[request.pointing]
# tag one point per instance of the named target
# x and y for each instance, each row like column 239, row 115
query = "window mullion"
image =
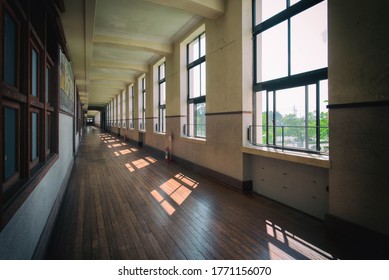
column 318, row 148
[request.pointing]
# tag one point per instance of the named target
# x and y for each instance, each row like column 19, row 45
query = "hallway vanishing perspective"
column 123, row 202
column 275, row 114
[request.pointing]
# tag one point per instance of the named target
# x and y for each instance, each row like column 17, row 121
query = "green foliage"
column 294, row 128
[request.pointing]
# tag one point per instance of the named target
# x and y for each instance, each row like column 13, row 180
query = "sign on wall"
column 66, row 103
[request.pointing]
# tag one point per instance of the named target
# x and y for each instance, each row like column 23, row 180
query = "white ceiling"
column 112, row 42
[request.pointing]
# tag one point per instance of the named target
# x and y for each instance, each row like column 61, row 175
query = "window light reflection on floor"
column 292, row 243
column 166, row 206
column 125, row 151
column 178, row 189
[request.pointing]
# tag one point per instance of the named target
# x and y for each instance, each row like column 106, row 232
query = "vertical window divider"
column 318, row 115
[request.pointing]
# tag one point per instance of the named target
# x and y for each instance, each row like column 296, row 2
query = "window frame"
column 131, row 106
column 9, row 11
column 190, row 129
column 17, row 188
column 8, row 182
column 161, row 125
column 142, row 103
column 313, row 77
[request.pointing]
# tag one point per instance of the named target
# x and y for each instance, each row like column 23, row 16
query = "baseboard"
column 241, row 186
column 41, row 248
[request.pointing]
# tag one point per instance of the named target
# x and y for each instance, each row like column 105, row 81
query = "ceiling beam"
column 123, row 66
column 124, row 43
column 206, row 8
column 112, row 78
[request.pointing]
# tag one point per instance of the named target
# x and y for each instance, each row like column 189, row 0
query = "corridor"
column 124, row 202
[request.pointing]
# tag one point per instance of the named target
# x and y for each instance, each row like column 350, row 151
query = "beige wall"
column 356, row 174
column 359, row 135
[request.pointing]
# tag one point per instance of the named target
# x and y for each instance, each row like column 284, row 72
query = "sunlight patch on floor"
column 292, row 243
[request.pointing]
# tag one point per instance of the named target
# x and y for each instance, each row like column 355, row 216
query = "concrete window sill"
column 297, row 157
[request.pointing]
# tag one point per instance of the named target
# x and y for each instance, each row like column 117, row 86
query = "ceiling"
column 112, row 42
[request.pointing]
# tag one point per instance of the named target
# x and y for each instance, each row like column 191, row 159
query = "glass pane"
column 162, row 94
column 309, row 39
column 202, row 45
column 268, row 8
column 124, row 105
column 34, row 136
column 10, row 142
column 162, row 71
column 200, row 120
column 144, row 100
column 162, row 120
column 272, row 53
column 194, row 82
column 290, row 115
column 48, row 88
column 292, row 2
column 203, row 79
column 10, row 48
column 270, row 100
column 48, row 132
column 143, row 84
column 193, row 50
column 34, row 73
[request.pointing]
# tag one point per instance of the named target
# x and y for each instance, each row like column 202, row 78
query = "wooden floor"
column 123, row 202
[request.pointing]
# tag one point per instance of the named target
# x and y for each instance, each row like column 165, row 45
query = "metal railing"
column 195, row 130
column 312, row 139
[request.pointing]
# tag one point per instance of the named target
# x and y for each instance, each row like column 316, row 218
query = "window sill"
column 297, row 157
column 194, row 140
column 160, row 133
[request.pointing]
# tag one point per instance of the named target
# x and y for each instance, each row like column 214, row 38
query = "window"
column 10, row 57
column 161, row 125
column 196, row 101
column 131, row 105
column 290, row 75
column 115, row 107
column 142, row 100
column 119, row 107
column 48, row 86
column 34, row 72
column 124, row 109
column 48, row 133
column 34, row 138
column 111, row 111
column 11, row 144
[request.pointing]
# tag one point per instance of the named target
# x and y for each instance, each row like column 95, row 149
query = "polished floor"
column 124, row 202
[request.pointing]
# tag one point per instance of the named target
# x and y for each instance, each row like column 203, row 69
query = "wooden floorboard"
column 124, row 202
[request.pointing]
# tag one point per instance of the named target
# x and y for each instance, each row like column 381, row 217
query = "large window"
column 10, row 46
column 196, row 67
column 124, row 124
column 28, row 107
column 142, row 103
column 119, row 109
column 161, row 125
column 131, row 105
column 290, row 75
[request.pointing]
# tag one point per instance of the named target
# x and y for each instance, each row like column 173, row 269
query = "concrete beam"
column 125, row 66
column 124, row 43
column 206, row 8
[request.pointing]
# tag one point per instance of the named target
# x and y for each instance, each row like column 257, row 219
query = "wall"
column 97, row 118
column 300, row 186
column 21, row 235
column 358, row 87
column 220, row 152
